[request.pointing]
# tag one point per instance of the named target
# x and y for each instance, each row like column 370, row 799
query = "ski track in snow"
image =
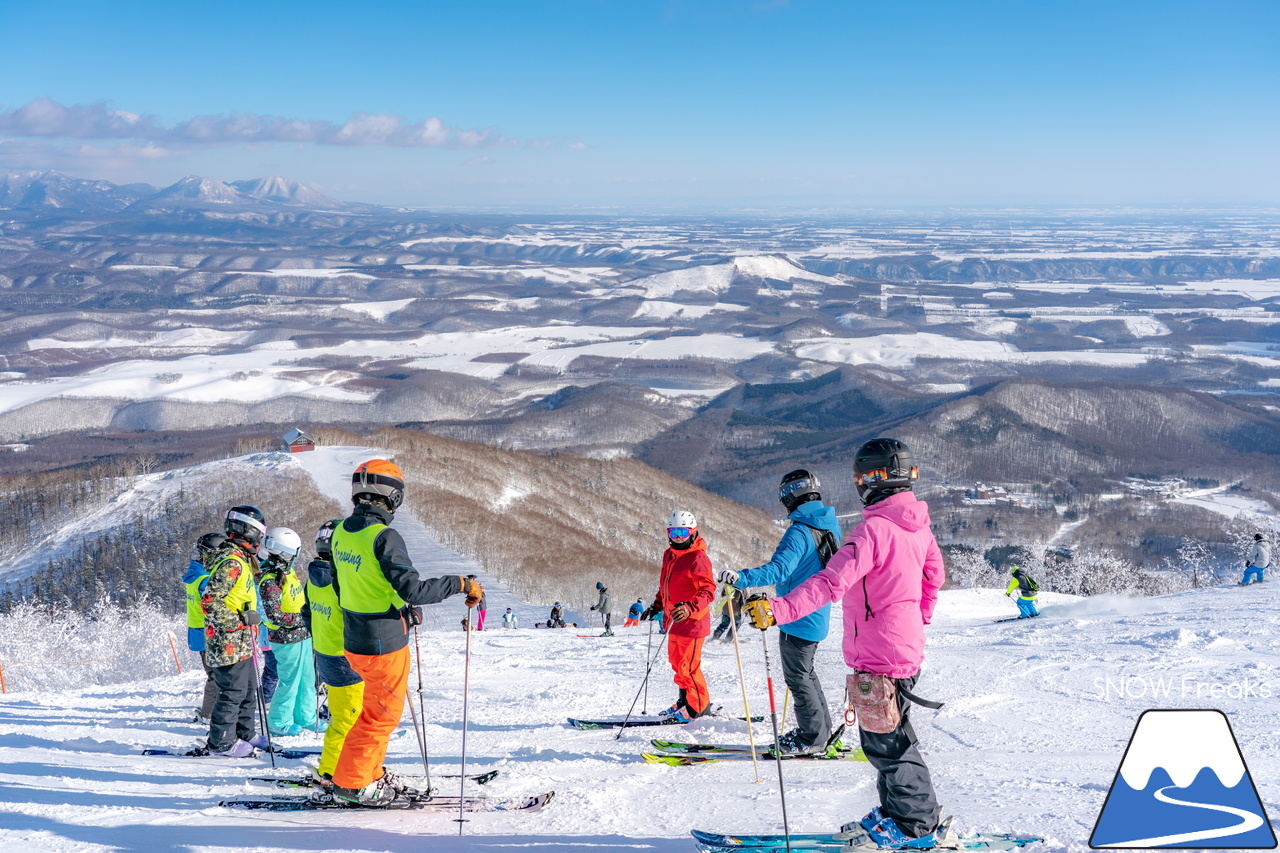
column 1028, row 742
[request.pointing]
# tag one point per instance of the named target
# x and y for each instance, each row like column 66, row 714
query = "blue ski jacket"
column 195, row 572
column 794, row 561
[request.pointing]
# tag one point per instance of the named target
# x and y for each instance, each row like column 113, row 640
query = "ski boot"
column 378, row 794
column 791, row 743
column 239, row 749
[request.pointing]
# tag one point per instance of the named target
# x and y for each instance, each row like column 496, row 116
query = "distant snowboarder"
column 605, row 608
column 1027, row 589
column 1259, row 560
column 556, row 620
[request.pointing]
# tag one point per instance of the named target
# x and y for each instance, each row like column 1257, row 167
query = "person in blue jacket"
column 193, row 580
column 795, row 560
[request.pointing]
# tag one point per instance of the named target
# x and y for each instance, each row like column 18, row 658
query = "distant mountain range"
column 49, row 191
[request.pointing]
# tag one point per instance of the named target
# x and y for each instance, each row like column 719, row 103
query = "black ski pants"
column 812, row 714
column 210, row 689
column 232, row 717
column 902, row 780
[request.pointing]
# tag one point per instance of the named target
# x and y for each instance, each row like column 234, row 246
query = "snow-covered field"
column 1036, row 722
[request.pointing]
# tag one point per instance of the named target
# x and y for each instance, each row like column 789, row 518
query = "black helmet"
column 599, row 585
column 1257, row 537
column 324, row 538
column 883, row 467
column 209, row 543
column 246, row 523
column 798, row 487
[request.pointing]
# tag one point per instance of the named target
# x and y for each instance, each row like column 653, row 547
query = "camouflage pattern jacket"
column 229, row 592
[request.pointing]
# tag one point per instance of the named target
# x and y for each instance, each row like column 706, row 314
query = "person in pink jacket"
column 887, row 573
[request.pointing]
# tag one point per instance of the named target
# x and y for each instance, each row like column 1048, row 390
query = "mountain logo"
column 1183, row 783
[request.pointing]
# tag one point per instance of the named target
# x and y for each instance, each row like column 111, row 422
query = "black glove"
column 251, row 617
column 652, row 611
column 412, row 616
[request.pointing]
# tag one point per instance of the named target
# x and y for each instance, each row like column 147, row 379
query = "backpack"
column 824, row 541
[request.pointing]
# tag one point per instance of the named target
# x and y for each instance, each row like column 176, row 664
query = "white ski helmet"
column 682, row 518
column 282, row 543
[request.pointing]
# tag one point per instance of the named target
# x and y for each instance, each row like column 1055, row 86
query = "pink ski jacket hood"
column 888, row 573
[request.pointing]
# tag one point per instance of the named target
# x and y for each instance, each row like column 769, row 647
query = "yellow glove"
column 472, row 589
column 760, row 613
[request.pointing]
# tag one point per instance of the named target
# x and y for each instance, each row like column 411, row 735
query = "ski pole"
column 648, row 668
column 648, row 652
column 262, row 699
column 786, row 699
column 742, row 680
column 426, row 762
column 777, row 745
column 466, row 687
column 418, row 733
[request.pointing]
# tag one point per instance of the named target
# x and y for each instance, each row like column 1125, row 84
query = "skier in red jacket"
column 686, row 588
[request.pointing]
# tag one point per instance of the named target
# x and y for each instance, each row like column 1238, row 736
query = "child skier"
column 634, row 612
column 229, row 605
column 795, row 560
column 1027, row 589
column 686, row 588
column 509, row 620
column 1258, row 561
column 888, row 574
column 324, row 618
column 293, row 710
column 557, row 616
column 378, row 588
column 194, row 579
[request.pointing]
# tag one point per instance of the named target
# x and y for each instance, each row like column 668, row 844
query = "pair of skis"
column 636, row 722
column 679, row 754
column 412, row 798
column 322, row 801
column 710, row 842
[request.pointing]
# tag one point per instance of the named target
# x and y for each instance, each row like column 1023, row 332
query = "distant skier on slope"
column 634, row 612
column 734, row 602
column 293, row 710
column 481, row 609
column 556, row 620
column 509, row 620
column 378, row 588
column 686, row 588
column 324, row 617
column 795, row 560
column 887, row 573
column 1258, row 561
column 605, row 608
column 194, row 580
column 229, row 603
column 1027, row 589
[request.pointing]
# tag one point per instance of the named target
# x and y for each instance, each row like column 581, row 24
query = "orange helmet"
column 379, row 477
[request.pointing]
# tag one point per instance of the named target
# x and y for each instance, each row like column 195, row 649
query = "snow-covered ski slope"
column 1037, row 718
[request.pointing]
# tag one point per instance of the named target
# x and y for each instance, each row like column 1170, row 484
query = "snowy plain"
column 1036, row 721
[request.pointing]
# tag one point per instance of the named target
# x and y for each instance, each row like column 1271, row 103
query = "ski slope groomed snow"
column 1037, row 717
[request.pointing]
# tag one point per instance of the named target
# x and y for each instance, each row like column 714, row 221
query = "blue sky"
column 703, row 103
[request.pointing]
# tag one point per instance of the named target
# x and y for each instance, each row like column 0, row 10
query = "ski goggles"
column 880, row 475
column 679, row 532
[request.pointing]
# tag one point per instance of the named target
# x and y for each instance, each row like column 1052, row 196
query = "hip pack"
column 872, row 702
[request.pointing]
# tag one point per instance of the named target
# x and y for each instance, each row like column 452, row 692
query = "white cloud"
column 46, row 118
column 482, row 160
